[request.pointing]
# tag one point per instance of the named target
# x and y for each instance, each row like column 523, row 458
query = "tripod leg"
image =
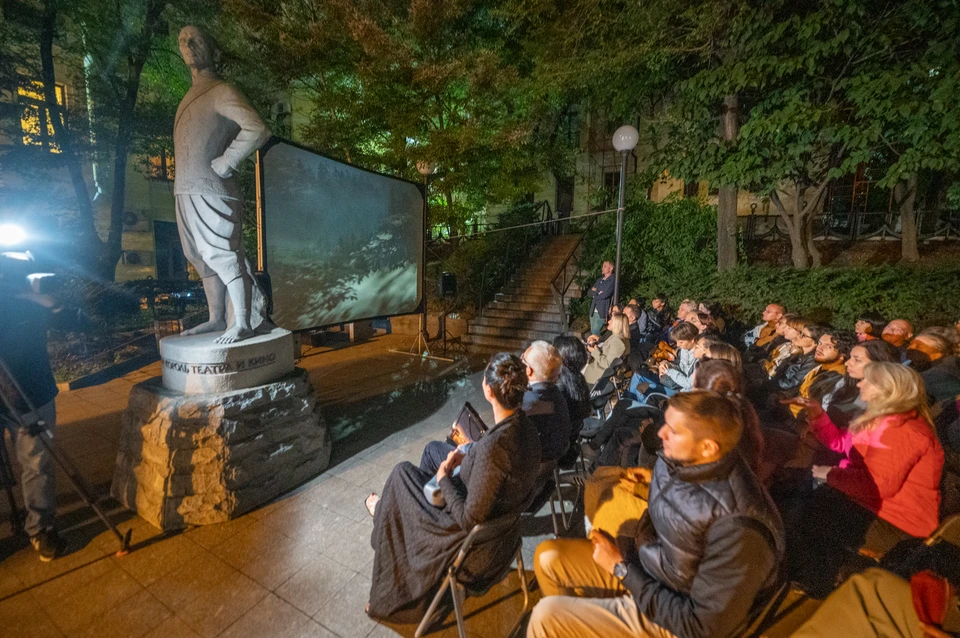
column 9, row 482
column 84, row 492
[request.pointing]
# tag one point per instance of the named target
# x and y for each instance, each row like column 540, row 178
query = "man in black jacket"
column 601, row 292
column 707, row 552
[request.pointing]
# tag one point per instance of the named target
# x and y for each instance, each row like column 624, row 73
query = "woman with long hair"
column 843, row 402
column 887, row 487
column 573, row 386
column 414, row 541
column 615, row 346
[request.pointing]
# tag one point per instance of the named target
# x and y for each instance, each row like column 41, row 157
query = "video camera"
column 19, row 273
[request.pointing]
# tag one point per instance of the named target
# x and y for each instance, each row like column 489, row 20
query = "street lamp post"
column 625, row 140
column 426, row 169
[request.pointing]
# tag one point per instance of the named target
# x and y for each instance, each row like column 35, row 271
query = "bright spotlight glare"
column 11, row 235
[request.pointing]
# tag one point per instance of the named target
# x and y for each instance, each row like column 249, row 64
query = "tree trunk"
column 815, row 206
column 798, row 247
column 906, row 198
column 126, row 123
column 63, row 136
column 727, row 202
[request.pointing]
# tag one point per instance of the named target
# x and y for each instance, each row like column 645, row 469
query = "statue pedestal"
column 199, row 365
column 229, row 429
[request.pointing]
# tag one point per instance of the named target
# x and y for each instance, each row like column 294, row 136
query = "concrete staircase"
column 526, row 309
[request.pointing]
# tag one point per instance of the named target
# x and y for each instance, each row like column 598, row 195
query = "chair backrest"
column 949, row 532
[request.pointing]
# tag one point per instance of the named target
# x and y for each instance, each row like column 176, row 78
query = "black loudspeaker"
column 448, row 284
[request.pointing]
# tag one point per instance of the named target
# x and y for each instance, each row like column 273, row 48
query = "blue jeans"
column 643, row 376
column 37, row 471
column 596, row 323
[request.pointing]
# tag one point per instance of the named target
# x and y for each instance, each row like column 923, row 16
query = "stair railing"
column 561, row 282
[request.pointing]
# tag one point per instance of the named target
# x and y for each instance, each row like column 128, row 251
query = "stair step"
column 501, row 344
column 516, row 332
column 523, row 324
column 505, row 297
column 520, row 306
column 547, row 315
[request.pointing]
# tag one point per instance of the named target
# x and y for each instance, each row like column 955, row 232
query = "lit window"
column 35, row 122
column 160, row 166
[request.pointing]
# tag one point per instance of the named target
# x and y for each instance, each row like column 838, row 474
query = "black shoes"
column 47, row 544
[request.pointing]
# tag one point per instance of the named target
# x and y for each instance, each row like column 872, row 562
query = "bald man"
column 897, row 332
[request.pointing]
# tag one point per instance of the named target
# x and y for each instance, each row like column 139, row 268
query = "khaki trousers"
column 874, row 603
column 580, row 599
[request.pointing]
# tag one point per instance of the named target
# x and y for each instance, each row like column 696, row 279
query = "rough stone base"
column 201, row 459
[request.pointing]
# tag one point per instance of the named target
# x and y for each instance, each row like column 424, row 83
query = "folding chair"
column 948, row 532
column 500, row 528
column 765, row 616
column 548, row 488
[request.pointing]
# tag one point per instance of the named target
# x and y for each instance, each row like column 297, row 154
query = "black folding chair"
column 502, row 528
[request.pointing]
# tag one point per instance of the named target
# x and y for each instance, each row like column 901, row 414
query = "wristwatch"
column 620, row 571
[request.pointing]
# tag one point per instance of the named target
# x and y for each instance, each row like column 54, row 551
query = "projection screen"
column 342, row 243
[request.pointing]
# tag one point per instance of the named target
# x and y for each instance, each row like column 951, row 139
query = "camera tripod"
column 37, row 428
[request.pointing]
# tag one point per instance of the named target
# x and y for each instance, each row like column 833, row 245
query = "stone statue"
column 215, row 130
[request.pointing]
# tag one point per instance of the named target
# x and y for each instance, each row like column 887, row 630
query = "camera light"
column 11, row 235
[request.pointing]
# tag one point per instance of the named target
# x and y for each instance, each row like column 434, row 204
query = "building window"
column 160, row 166
column 35, row 121
column 691, row 189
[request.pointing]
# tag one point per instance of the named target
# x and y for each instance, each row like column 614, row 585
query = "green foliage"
column 671, row 243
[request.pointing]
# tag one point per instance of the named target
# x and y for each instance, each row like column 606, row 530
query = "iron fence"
column 934, row 225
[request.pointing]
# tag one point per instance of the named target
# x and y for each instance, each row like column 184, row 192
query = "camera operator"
column 24, row 318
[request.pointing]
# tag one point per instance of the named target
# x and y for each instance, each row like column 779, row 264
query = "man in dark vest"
column 706, row 555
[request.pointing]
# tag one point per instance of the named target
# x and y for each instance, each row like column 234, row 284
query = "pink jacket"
column 893, row 470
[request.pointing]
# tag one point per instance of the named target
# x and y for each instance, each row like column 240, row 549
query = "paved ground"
column 297, row 567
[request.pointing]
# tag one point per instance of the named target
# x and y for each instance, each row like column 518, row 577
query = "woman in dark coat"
column 415, row 541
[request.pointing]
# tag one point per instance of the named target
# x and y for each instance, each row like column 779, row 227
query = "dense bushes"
column 671, row 247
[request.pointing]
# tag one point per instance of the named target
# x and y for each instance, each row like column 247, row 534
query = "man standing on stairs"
column 602, row 293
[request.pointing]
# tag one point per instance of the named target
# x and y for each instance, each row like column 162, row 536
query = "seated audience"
column 713, row 310
column 544, row 405
column 766, row 332
column 947, row 333
column 726, row 378
column 869, row 326
column 571, row 383
column 880, row 603
column 932, row 356
column 616, row 346
column 897, row 333
column 662, row 316
column 725, row 352
column 706, row 553
column 414, row 542
column 637, row 318
column 788, row 327
column 843, row 402
column 831, row 354
column 677, row 374
column 794, row 369
column 703, row 344
column 886, row 489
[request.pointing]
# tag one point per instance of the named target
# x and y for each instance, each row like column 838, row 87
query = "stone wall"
column 201, row 459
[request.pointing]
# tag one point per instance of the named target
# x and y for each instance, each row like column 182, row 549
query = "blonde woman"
column 617, row 345
column 891, row 470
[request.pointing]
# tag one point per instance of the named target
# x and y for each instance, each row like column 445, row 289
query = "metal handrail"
column 561, row 292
